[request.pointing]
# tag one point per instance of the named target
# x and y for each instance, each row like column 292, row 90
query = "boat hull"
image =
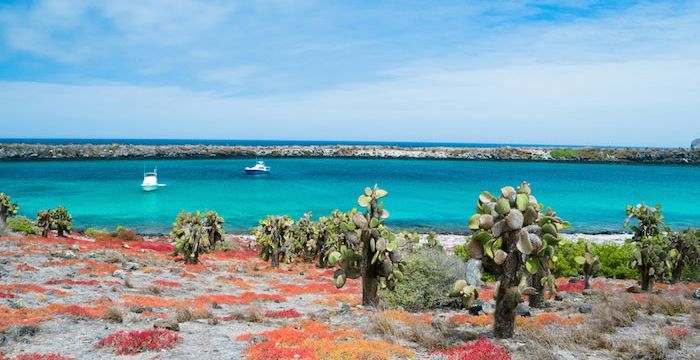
column 256, row 172
column 149, row 187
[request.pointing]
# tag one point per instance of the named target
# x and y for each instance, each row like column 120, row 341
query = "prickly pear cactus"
column 651, row 243
column 62, row 221
column 468, row 293
column 306, row 236
column 190, row 236
column 44, row 221
column 214, row 228
column 367, row 249
column 589, row 262
column 7, row 208
column 511, row 230
column 275, row 239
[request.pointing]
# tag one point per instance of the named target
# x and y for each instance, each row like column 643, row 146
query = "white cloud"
column 650, row 103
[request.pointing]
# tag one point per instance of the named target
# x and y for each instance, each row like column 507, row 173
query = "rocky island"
column 509, row 153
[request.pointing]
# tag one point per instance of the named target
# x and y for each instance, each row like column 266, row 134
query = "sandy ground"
column 234, row 296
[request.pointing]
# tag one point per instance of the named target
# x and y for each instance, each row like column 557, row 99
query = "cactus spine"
column 510, row 231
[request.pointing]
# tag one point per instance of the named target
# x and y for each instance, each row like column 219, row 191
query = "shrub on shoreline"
column 22, row 224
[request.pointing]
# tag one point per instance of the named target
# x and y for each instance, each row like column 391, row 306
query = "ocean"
column 423, row 194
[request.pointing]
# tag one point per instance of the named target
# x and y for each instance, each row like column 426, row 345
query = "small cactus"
column 651, row 256
column 7, row 208
column 62, row 221
column 190, row 236
column 590, row 264
column 214, row 228
column 44, row 221
column 275, row 239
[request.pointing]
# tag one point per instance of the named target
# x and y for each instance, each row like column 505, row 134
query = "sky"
column 546, row 72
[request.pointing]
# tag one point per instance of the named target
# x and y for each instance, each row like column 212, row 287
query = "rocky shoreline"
column 505, row 153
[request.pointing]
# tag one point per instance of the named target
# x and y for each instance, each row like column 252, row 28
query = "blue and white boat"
column 259, row 168
column 150, row 181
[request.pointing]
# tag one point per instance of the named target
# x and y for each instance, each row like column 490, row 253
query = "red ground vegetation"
column 286, row 314
column 481, row 349
column 166, row 283
column 72, row 282
column 236, row 281
column 35, row 356
column 26, row 267
column 576, row 287
column 548, row 318
column 243, row 299
column 94, row 268
column 315, row 340
column 134, row 342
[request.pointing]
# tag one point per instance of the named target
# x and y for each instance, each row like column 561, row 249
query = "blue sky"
column 563, row 72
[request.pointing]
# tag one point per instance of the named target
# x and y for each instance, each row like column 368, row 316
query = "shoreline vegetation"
column 10, row 152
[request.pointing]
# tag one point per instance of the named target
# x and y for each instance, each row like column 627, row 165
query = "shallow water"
column 422, row 193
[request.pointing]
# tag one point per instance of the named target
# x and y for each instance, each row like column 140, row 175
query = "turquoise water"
column 422, row 193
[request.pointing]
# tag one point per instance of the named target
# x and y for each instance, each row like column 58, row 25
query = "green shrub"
column 93, row 231
column 691, row 273
column 428, row 275
column 22, row 224
column 614, row 260
column 562, row 154
column 461, row 252
column 566, row 266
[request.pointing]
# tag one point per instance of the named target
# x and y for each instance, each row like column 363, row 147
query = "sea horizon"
column 296, row 142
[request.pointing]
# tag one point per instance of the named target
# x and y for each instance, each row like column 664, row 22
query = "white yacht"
column 259, row 168
column 150, row 181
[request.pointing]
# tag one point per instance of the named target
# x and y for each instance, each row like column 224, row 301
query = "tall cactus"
column 511, row 231
column 44, row 221
column 306, row 234
column 275, row 238
column 190, row 236
column 7, row 208
column 214, row 228
column 367, row 249
column 62, row 221
column 590, row 264
column 649, row 239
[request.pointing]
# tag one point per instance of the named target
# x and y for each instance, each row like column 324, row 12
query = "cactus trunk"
column 275, row 260
column 677, row 270
column 506, row 300
column 370, row 282
column 647, row 280
column 537, row 301
column 587, row 271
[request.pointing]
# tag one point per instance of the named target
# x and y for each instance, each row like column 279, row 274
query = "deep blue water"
column 436, row 194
